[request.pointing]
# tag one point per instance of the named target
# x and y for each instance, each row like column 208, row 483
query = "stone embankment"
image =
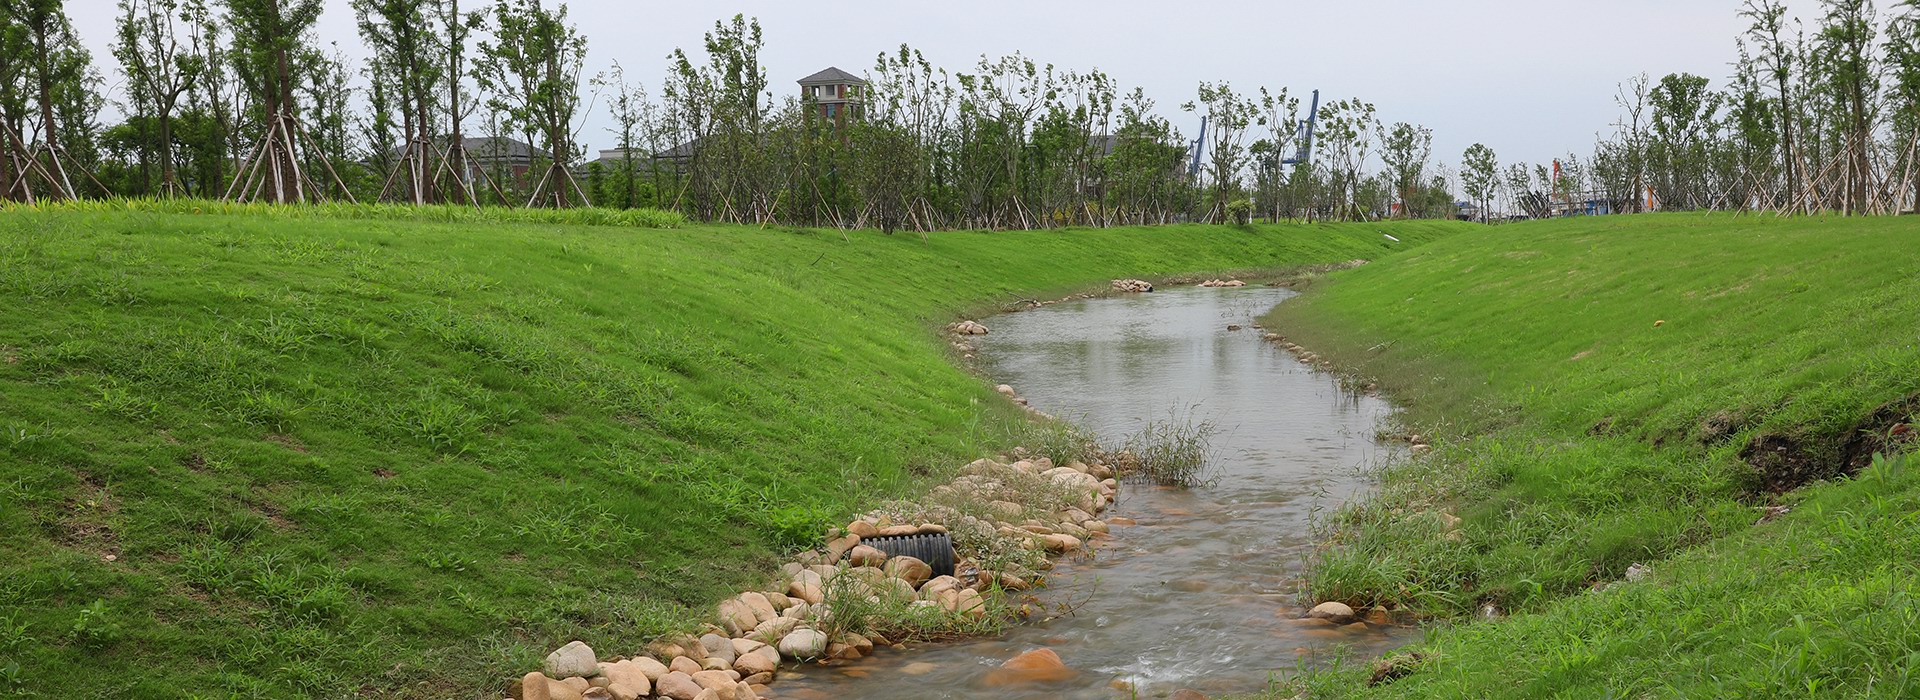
column 1004, row 516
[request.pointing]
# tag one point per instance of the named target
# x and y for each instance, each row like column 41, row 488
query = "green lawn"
column 288, row 455
column 1624, row 390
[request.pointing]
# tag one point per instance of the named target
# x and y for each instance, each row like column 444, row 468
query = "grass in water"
column 1174, row 451
column 297, row 452
column 1723, row 401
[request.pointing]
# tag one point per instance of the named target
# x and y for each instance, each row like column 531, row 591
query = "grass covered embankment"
column 1612, row 391
column 268, row 456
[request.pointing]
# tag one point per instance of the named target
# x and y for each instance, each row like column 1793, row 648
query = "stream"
column 1200, row 592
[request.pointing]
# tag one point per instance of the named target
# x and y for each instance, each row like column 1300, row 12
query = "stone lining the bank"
column 756, row 632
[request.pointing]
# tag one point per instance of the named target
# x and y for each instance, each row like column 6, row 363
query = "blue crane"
column 1305, row 135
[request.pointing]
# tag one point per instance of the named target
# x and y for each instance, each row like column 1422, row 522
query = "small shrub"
column 95, row 627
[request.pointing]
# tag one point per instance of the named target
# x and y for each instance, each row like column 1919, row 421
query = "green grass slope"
column 1625, row 390
column 297, row 456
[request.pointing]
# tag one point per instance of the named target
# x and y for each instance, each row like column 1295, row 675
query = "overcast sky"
column 1531, row 78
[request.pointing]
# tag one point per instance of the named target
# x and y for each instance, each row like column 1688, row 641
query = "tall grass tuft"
column 1170, row 452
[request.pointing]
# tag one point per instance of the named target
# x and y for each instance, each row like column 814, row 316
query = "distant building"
column 500, row 154
column 836, row 94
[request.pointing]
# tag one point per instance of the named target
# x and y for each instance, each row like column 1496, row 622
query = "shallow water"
column 1200, row 593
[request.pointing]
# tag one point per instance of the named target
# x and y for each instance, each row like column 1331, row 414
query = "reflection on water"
column 1198, row 593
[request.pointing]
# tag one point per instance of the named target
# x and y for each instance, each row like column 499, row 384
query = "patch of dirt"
column 195, row 462
column 1782, row 463
column 1604, row 427
column 287, row 441
column 86, row 519
column 1718, row 428
column 1889, row 427
column 383, row 473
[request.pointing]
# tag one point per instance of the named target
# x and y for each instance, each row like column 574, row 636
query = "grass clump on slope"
column 260, row 455
column 1640, row 390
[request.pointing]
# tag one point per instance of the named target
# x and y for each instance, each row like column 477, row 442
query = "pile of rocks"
column 1133, row 286
column 1031, row 505
column 967, row 328
column 1223, row 283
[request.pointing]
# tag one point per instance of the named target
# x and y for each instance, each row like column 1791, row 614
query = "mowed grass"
column 283, row 455
column 1623, row 390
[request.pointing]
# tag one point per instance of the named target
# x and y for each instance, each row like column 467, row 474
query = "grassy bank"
column 267, row 455
column 1704, row 396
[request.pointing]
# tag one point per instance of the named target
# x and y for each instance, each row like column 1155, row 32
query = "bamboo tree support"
column 27, row 162
column 276, row 158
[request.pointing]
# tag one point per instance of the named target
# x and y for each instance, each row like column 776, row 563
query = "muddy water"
column 1200, row 593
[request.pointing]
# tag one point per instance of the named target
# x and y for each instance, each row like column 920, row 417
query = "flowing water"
column 1200, row 593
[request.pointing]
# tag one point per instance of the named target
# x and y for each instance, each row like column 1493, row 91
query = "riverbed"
column 1201, row 592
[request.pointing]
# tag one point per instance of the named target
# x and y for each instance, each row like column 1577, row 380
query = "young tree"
column 50, row 65
column 269, row 39
column 1406, row 150
column 1480, row 176
column 159, row 72
column 1229, row 116
column 532, row 68
column 1851, row 79
column 406, row 48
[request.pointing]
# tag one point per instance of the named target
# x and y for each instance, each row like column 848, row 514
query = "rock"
column 968, row 328
column 736, row 617
column 743, row 690
column 629, row 680
column 1058, row 543
column 716, row 664
column 863, row 555
column 918, row 668
column 1394, row 667
column 685, row 665
column 1187, row 694
column 772, row 630
column 1638, row 572
column 534, row 686
column 930, row 529
column 710, row 694
column 909, row 569
column 858, row 642
column 1233, row 326
column 1419, row 449
column 1094, row 526
column 1334, row 611
column 574, row 659
column 839, row 546
column 807, row 586
column 1006, row 390
column 745, row 646
column 761, row 606
column 862, row 529
column 1133, row 286
column 1037, row 666
column 677, row 685
column 719, row 648
column 931, row 589
column 649, row 666
column 720, row 681
column 759, row 679
column 763, row 660
column 803, row 644
column 597, row 694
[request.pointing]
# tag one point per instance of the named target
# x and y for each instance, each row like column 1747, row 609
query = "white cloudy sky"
column 1530, row 78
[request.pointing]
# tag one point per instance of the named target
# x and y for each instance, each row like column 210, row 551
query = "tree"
column 1406, row 150
column 46, row 61
column 1480, row 175
column 1850, row 77
column 1229, row 116
column 159, row 72
column 403, row 38
column 269, row 39
column 532, row 70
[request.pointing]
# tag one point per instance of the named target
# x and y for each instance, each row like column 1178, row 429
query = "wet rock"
column 803, row 644
column 1187, row 694
column 918, row 668
column 574, row 659
column 1037, row 666
column 1060, row 543
column 1334, row 611
column 677, row 685
column 759, row 679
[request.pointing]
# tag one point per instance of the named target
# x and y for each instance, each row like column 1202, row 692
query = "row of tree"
column 1821, row 118
column 237, row 99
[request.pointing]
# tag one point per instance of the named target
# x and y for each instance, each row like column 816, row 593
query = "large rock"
column 677, row 685
column 1332, row 610
column 627, row 680
column 1133, row 286
column 685, row 664
column 863, row 555
column 839, row 546
column 574, row 659
column 1060, row 543
column 909, row 569
column 762, row 660
column 807, row 585
column 968, row 328
column 1038, row 666
column 773, row 630
column 534, row 686
column 719, row 648
column 742, row 647
column 803, row 644
column 761, row 605
column 863, row 529
column 1187, row 694
column 720, row 681
column 736, row 617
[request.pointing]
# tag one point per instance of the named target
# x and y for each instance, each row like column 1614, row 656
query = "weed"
column 1169, row 452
